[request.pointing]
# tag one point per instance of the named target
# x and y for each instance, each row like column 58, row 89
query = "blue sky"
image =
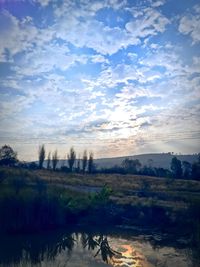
column 115, row 77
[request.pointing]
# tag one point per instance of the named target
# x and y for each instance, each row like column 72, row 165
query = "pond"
column 83, row 248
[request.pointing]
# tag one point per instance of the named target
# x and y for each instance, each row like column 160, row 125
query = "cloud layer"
column 111, row 76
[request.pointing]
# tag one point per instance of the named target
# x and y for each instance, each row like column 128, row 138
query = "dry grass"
column 134, row 189
column 120, row 182
column 126, row 189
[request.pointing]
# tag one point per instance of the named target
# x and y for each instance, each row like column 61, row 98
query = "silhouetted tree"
column 49, row 161
column 131, row 165
column 71, row 157
column 147, row 171
column 55, row 159
column 7, row 156
column 78, row 164
column 196, row 169
column 176, row 167
column 41, row 154
column 161, row 172
column 187, row 169
column 84, row 161
column 114, row 169
column 91, row 163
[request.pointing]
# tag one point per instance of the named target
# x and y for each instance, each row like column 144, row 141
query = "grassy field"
column 57, row 197
column 125, row 189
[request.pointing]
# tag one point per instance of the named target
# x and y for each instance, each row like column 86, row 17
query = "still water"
column 96, row 249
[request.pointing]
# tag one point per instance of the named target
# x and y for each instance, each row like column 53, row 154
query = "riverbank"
column 33, row 201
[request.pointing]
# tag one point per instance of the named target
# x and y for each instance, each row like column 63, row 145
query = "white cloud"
column 95, row 35
column 43, row 3
column 157, row 3
column 99, row 59
column 16, row 36
column 190, row 25
column 132, row 56
column 79, row 27
column 151, row 22
column 58, row 85
column 110, row 77
column 48, row 58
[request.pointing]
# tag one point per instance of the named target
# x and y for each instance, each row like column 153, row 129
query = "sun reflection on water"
column 128, row 257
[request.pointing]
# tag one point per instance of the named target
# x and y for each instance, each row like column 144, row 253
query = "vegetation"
column 91, row 163
column 131, row 166
column 46, row 199
column 8, row 156
column 84, row 161
column 28, row 202
column 196, row 169
column 34, row 198
column 179, row 170
column 54, row 160
column 41, row 156
column 40, row 199
column 71, row 158
column 49, row 161
column 78, row 165
column 176, row 168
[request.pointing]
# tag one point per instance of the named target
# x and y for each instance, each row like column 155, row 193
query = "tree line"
column 82, row 164
column 178, row 169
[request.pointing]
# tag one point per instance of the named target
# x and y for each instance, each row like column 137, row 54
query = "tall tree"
column 55, row 160
column 176, row 168
column 49, row 161
column 71, row 157
column 91, row 162
column 41, row 155
column 84, row 161
column 7, row 156
column 78, row 167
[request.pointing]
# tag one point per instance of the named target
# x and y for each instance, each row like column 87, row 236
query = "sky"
column 115, row 77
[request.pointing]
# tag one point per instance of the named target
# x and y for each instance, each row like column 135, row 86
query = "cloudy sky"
column 116, row 77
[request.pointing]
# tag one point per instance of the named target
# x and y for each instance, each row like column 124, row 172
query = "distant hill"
column 162, row 160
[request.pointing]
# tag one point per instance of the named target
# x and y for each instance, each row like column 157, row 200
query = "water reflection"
column 89, row 249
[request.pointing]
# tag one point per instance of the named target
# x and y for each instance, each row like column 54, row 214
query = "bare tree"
column 84, row 160
column 55, row 159
column 49, row 161
column 71, row 157
column 91, row 163
column 41, row 155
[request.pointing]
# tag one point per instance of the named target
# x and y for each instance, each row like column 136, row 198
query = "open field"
column 125, row 189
